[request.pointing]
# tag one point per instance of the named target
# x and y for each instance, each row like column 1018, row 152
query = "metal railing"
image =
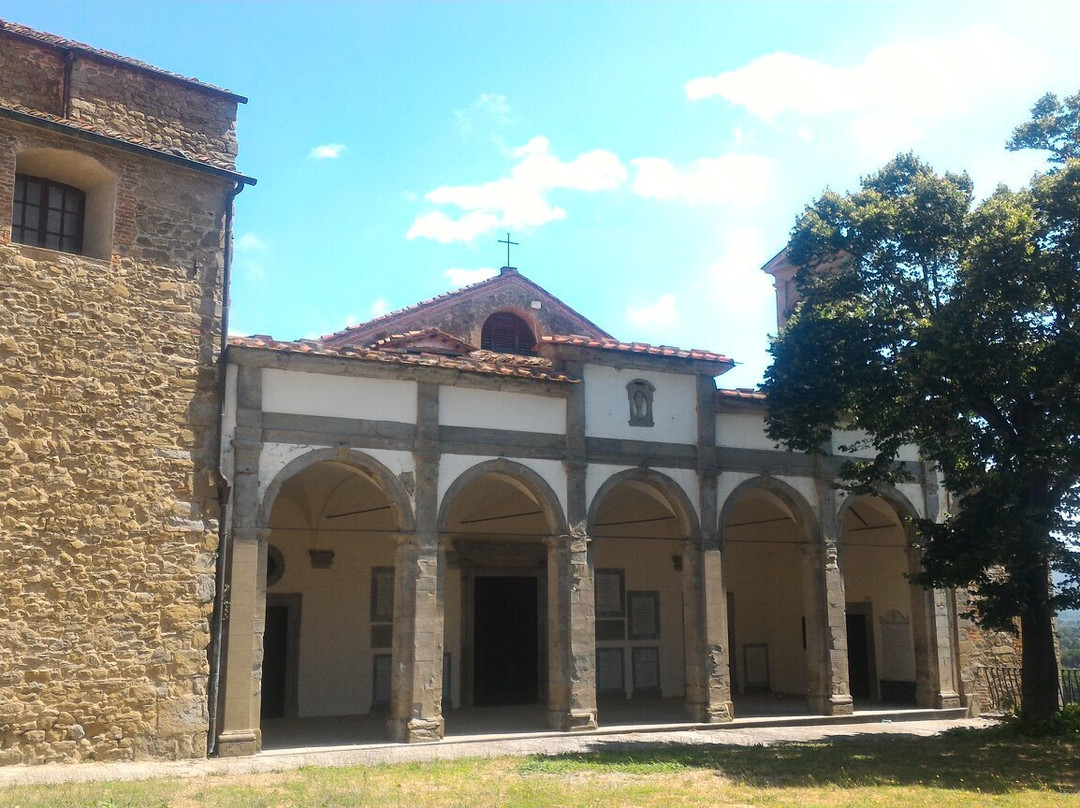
column 1002, row 684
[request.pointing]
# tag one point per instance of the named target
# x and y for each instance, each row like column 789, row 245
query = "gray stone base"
column 948, row 700
column 239, row 743
column 830, row 705
column 416, row 730
column 573, row 721
column 719, row 712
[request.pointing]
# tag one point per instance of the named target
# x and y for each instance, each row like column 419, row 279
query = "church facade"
column 481, row 500
column 485, row 499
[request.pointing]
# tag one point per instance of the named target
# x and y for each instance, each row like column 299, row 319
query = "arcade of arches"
column 502, row 604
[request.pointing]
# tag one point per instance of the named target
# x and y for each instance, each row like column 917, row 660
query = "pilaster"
column 245, row 599
column 417, row 655
column 708, row 684
column 829, row 691
column 571, row 598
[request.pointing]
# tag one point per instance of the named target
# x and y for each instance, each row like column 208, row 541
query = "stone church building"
column 481, row 500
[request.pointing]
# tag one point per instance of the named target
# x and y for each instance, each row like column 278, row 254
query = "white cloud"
column 379, row 307
column 249, row 242
column 328, row 151
column 488, row 109
column 519, row 200
column 466, row 277
column 742, row 178
column 893, row 95
column 662, row 313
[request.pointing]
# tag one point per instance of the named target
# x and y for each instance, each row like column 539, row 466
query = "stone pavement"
column 736, row 733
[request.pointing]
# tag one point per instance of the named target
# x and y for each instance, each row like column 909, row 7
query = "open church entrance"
column 506, row 640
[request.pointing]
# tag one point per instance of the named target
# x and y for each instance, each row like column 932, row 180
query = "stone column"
column 931, row 621
column 829, row 692
column 571, row 634
column 416, row 700
column 705, row 640
column 245, row 594
column 571, row 596
column 935, row 663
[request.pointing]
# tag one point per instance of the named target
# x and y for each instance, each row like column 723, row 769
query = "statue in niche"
column 640, row 395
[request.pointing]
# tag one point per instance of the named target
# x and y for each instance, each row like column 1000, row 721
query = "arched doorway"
column 882, row 628
column 497, row 519
column 641, row 523
column 329, row 591
column 764, row 537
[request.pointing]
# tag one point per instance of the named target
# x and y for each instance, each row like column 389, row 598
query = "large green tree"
column 930, row 318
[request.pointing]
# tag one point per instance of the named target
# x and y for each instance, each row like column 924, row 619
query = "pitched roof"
column 642, row 348
column 402, row 319
column 485, row 363
column 51, row 40
column 740, row 394
column 430, row 339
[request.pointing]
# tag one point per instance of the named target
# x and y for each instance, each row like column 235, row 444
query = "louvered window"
column 48, row 214
column 507, row 333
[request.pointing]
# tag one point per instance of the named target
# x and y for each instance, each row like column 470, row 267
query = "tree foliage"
column 933, row 319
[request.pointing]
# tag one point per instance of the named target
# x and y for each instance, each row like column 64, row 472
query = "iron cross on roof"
column 508, row 242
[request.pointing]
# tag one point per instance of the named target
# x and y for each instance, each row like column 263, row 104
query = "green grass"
column 969, row 768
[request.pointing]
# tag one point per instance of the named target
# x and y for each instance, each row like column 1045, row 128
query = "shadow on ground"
column 970, row 760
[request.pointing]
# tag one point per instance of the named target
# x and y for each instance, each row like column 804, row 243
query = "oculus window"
column 48, row 214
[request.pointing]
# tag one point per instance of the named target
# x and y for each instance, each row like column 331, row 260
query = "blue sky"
column 649, row 157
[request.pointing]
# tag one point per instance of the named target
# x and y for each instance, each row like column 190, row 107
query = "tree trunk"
column 1039, row 677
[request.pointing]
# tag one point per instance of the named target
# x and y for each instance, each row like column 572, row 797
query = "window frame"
column 70, row 236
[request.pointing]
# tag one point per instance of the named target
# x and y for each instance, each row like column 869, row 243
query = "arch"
column 673, row 492
column 507, row 332
column 790, row 500
column 517, row 474
column 388, row 483
column 86, row 174
column 899, row 503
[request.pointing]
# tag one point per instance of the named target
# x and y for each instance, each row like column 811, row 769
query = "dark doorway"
column 858, row 655
column 280, row 656
column 506, row 641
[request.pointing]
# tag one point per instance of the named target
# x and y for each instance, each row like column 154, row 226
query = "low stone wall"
column 980, row 649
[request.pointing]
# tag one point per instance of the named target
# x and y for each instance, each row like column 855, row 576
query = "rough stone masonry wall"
column 980, row 649
column 108, row 519
column 119, row 100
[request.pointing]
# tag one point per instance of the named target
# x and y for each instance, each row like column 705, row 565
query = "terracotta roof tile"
column 636, row 347
column 338, row 337
column 127, row 137
column 482, row 362
column 741, row 394
column 391, row 315
column 70, row 44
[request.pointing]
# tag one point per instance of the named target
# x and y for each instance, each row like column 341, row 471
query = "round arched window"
column 504, row 332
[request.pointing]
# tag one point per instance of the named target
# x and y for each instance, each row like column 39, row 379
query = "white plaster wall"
column 336, row 657
column 493, row 409
column 607, row 410
column 597, row 474
column 647, row 565
column 453, row 466
column 742, row 430
column 843, row 437
column 766, row 581
column 338, row 396
column 875, row 574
